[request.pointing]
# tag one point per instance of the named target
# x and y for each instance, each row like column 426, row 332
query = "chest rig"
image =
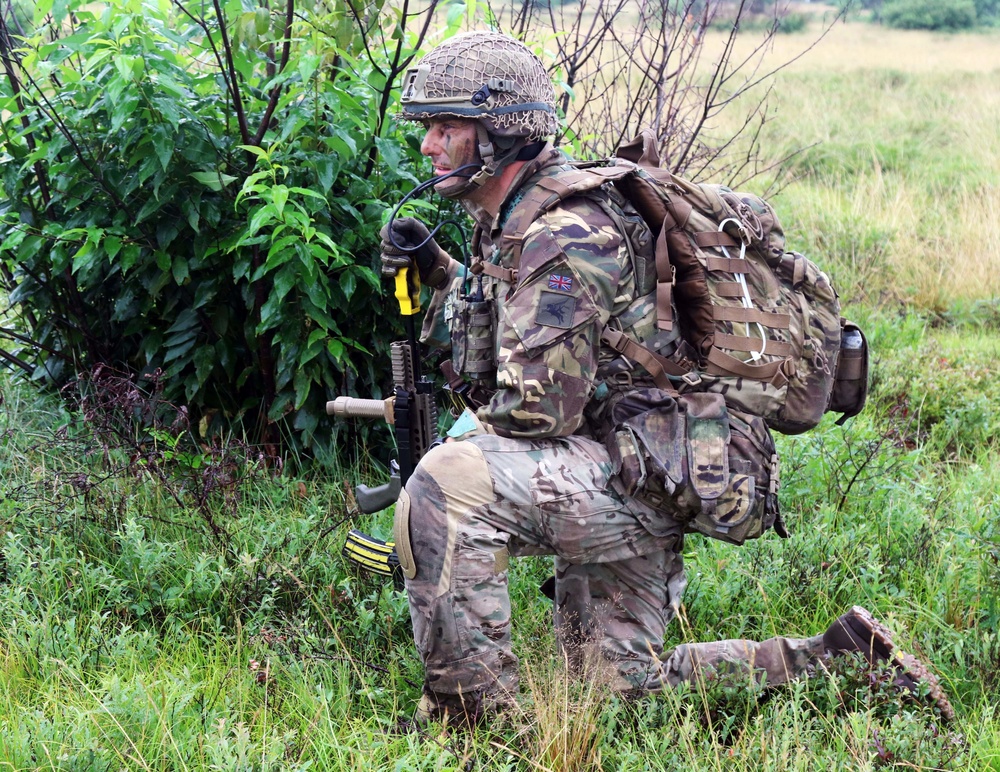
column 494, row 273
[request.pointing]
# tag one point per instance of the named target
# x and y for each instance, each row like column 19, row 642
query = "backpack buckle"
column 741, row 230
column 692, row 378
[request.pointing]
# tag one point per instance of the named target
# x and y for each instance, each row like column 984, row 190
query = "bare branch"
column 233, row 80
column 286, row 49
column 630, row 64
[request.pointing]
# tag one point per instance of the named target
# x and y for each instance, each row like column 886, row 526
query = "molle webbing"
column 752, row 316
column 715, row 239
column 659, row 367
column 728, row 264
column 743, row 343
column 683, row 285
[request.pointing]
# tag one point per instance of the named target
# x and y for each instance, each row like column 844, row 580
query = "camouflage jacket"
column 577, row 273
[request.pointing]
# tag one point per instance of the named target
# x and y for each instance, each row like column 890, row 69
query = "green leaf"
column 257, row 151
column 308, row 64
column 112, row 246
column 315, row 337
column 179, row 351
column 284, row 281
column 265, row 215
column 204, row 363
column 279, row 196
column 84, row 258
column 335, row 347
column 130, row 257
column 163, row 144
column 262, row 22
column 303, row 383
column 180, row 270
column 309, row 193
column 327, row 169
column 186, row 320
column 348, row 283
column 215, row 181
column 42, row 9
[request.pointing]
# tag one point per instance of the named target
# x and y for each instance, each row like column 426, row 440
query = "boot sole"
column 911, row 672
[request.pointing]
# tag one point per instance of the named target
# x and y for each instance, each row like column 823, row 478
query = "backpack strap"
column 508, row 275
column 657, row 366
column 777, row 373
column 546, row 193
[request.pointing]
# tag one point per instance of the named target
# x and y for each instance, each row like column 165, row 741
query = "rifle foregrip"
column 352, row 407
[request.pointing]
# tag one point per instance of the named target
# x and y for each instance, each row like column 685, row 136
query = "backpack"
column 762, row 324
column 755, row 340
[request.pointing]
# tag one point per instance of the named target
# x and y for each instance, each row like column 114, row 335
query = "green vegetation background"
column 163, row 608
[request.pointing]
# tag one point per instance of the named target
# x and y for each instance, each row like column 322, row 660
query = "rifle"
column 412, row 412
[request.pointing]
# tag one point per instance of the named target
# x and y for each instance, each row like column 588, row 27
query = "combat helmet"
column 492, row 79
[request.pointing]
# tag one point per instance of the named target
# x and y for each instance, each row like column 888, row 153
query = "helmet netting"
column 461, row 66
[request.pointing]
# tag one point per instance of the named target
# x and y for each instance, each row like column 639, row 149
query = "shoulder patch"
column 555, row 310
column 560, row 283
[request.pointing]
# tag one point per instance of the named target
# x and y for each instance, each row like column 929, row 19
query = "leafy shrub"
column 201, row 197
column 946, row 15
column 793, row 22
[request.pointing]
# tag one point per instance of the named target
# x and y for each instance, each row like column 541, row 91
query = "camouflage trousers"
column 619, row 571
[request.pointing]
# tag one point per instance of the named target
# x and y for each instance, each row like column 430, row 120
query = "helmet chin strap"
column 494, row 157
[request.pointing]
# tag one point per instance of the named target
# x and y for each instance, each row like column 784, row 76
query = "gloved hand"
column 430, row 259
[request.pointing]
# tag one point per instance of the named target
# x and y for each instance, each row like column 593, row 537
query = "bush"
column 200, row 196
column 793, row 22
column 948, row 15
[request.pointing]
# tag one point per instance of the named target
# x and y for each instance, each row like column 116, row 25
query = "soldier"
column 524, row 474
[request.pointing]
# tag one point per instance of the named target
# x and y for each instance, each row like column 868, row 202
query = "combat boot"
column 859, row 631
column 463, row 711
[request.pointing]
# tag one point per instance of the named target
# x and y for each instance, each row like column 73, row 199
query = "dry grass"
column 899, row 181
column 852, row 46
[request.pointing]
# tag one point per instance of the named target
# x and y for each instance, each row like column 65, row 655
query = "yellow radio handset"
column 407, row 295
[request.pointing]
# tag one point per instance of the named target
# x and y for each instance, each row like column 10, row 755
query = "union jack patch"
column 560, row 283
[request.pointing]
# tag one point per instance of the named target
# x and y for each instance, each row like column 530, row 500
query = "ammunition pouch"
column 691, row 458
column 473, row 340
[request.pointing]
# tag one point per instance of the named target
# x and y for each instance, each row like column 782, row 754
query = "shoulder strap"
column 663, row 370
column 546, row 193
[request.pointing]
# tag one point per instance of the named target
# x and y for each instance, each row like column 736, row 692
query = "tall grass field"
column 167, row 609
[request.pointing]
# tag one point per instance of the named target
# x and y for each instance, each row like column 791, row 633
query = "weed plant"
column 167, row 605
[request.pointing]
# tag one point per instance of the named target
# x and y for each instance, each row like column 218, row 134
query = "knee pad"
column 401, row 534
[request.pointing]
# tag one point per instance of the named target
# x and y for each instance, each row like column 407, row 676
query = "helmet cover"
column 484, row 76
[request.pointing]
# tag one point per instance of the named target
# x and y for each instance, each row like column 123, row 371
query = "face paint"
column 450, row 143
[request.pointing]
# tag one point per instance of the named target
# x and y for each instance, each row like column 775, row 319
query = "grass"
column 134, row 636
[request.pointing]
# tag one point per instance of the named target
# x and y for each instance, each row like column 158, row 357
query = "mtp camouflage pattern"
column 472, row 504
column 485, row 76
column 714, row 467
column 771, row 336
column 528, row 475
column 576, row 274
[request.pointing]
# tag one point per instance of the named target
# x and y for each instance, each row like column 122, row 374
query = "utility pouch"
column 473, row 340
column 850, row 382
column 692, row 459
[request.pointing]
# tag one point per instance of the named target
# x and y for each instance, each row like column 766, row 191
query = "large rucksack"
column 764, row 345
column 763, row 323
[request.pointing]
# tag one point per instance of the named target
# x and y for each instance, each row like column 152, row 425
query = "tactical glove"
column 411, row 243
